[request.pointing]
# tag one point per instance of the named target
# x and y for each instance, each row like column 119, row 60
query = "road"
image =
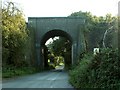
column 48, row 79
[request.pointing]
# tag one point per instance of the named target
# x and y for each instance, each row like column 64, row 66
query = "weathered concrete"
column 43, row 28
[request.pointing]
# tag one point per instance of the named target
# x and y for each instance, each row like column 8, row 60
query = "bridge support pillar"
column 74, row 53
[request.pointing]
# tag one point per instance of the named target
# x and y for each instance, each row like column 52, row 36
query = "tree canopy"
column 103, row 28
column 14, row 34
column 59, row 46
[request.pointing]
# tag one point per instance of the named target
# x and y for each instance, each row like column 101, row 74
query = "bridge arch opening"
column 66, row 54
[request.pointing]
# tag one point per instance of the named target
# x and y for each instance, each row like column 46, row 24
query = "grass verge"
column 10, row 72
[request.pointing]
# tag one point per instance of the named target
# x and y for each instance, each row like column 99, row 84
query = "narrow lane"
column 49, row 79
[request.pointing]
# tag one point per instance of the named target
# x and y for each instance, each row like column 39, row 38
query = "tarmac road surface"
column 49, row 79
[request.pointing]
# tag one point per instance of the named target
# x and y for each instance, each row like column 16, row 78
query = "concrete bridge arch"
column 43, row 28
column 51, row 34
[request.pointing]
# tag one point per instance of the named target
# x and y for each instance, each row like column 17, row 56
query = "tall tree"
column 98, row 31
column 14, row 34
column 61, row 47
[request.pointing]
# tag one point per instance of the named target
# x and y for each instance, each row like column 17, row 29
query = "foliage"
column 11, row 71
column 60, row 48
column 55, row 61
column 106, row 66
column 103, row 28
column 99, row 71
column 79, row 74
column 14, row 35
column 63, row 44
column 52, row 66
column 16, row 43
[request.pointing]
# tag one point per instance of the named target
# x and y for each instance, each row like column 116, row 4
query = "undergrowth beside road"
column 97, row 71
column 9, row 72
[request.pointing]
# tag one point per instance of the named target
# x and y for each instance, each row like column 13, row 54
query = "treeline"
column 100, row 70
column 100, row 31
column 16, row 42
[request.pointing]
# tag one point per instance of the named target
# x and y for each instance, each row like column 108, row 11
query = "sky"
column 63, row 8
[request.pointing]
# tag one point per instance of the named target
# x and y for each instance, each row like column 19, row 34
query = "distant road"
column 49, row 79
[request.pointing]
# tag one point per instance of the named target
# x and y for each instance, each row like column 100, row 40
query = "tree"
column 98, row 31
column 14, row 34
column 61, row 47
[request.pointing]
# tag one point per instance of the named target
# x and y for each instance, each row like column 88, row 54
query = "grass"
column 10, row 72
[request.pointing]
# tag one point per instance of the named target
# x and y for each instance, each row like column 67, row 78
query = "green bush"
column 51, row 66
column 10, row 71
column 17, row 44
column 99, row 71
column 79, row 74
column 106, row 66
column 5, row 55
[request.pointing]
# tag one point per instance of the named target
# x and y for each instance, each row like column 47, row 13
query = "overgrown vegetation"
column 59, row 50
column 97, row 71
column 15, row 40
column 10, row 71
column 92, row 71
column 99, row 31
column 101, row 70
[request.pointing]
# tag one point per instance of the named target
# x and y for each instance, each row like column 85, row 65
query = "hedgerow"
column 97, row 71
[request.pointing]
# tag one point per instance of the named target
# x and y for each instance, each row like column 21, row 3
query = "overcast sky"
column 63, row 8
